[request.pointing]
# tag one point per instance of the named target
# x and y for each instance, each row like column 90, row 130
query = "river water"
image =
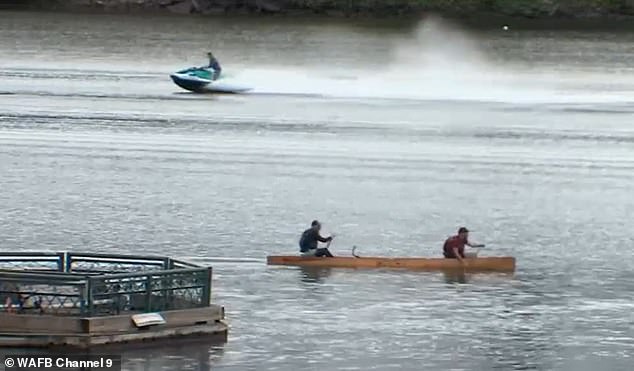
column 392, row 135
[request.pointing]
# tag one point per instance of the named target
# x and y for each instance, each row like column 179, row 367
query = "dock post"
column 61, row 262
column 148, row 293
column 206, row 299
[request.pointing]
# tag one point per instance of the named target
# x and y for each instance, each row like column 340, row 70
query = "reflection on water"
column 314, row 274
column 452, row 277
column 194, row 355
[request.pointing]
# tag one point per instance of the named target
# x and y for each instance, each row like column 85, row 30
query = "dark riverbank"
column 530, row 9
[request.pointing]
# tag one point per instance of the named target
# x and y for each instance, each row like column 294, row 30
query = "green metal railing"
column 88, row 285
column 45, row 261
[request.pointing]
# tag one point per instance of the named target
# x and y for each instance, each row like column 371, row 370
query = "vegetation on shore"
column 519, row 8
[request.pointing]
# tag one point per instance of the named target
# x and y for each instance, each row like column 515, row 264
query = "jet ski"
column 200, row 80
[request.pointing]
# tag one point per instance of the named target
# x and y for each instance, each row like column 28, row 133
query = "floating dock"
column 84, row 300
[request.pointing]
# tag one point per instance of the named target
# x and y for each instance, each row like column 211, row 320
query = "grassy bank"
column 515, row 8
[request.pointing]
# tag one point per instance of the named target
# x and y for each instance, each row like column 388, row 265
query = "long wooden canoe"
column 481, row 264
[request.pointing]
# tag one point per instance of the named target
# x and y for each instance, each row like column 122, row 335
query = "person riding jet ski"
column 215, row 65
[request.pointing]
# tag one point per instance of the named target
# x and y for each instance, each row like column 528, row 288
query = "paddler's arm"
column 456, row 253
column 324, row 239
column 474, row 245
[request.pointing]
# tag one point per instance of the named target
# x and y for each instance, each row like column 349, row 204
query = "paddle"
column 328, row 244
column 473, row 255
column 477, row 249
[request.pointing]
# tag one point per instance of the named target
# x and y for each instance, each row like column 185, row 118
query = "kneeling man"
column 308, row 243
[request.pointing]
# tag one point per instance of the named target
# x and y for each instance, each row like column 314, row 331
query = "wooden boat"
column 479, row 264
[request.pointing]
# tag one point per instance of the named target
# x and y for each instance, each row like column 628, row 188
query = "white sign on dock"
column 148, row 319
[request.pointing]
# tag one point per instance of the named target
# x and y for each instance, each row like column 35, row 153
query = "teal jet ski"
column 200, row 80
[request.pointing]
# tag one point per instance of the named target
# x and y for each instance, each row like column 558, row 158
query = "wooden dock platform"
column 87, row 300
column 53, row 331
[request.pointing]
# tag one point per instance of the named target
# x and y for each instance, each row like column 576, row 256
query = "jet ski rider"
column 213, row 64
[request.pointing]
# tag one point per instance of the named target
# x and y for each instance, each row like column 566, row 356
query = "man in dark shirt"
column 215, row 65
column 308, row 243
column 454, row 246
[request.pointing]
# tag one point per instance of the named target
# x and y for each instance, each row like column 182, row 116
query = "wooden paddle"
column 328, row 244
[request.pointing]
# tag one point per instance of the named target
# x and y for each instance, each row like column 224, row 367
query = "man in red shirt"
column 454, row 246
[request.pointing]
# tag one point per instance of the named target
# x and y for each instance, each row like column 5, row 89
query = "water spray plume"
column 438, row 60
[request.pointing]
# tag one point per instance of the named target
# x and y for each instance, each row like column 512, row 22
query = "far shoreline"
column 477, row 20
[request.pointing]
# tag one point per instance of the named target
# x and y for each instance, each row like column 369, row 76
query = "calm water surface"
column 393, row 136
